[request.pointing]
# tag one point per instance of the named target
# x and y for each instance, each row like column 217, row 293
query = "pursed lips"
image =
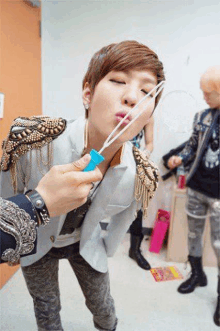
column 121, row 115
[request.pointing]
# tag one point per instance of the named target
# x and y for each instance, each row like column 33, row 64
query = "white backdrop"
column 185, row 34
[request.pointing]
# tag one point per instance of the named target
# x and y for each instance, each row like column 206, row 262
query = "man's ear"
column 86, row 94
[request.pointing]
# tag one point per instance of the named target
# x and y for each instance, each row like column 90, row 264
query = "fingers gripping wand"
column 96, row 157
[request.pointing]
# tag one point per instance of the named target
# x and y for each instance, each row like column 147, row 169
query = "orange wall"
column 20, row 70
column 20, row 61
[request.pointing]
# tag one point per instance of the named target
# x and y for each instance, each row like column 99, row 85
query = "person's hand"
column 66, row 187
column 174, row 161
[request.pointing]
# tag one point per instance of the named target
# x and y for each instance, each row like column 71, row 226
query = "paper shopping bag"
column 159, row 231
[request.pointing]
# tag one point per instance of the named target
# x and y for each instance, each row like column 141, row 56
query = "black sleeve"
column 7, row 240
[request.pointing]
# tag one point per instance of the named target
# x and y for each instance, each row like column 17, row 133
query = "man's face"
column 212, row 98
column 113, row 98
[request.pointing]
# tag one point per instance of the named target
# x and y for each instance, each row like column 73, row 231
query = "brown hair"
column 123, row 56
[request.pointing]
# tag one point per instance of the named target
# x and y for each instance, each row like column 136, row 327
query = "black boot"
column 198, row 277
column 135, row 253
column 217, row 311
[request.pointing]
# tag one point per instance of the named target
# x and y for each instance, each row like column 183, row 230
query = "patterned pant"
column 200, row 205
column 42, row 282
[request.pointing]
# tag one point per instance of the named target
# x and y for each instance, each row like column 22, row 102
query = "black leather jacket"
column 202, row 129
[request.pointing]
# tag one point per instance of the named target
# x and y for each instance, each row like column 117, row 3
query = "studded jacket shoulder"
column 147, row 177
column 27, row 133
column 202, row 121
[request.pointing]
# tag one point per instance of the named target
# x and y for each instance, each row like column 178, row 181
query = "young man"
column 136, row 226
column 62, row 189
column 203, row 182
column 119, row 75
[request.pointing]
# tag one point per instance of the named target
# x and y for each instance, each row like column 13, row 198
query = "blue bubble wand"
column 96, row 157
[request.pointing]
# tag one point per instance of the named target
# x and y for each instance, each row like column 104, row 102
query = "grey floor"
column 142, row 304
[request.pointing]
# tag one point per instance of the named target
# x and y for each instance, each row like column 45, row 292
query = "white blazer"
column 114, row 199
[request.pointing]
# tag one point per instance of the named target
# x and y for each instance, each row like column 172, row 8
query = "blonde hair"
column 210, row 80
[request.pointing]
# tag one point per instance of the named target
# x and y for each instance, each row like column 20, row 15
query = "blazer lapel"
column 72, row 150
column 77, row 137
column 113, row 183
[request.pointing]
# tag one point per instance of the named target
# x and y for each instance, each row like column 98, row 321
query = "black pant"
column 136, row 226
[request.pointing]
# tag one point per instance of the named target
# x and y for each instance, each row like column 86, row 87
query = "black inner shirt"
column 207, row 176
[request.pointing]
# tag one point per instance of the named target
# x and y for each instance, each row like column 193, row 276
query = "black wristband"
column 39, row 205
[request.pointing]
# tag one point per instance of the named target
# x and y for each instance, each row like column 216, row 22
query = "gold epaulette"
column 146, row 181
column 26, row 134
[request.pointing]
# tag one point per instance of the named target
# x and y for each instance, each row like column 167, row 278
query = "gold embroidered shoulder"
column 146, row 181
column 27, row 133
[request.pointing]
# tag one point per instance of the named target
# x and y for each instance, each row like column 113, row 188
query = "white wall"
column 185, row 34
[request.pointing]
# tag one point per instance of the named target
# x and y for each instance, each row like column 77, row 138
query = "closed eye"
column 117, row 81
column 146, row 92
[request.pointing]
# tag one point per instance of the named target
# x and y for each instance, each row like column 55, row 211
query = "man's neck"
column 95, row 140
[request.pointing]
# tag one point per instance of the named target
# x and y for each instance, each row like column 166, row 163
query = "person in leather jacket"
column 203, row 182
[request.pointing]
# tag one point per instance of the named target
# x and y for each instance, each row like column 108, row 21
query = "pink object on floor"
column 159, row 231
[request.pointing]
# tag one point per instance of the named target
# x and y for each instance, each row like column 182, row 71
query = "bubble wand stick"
column 96, row 157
